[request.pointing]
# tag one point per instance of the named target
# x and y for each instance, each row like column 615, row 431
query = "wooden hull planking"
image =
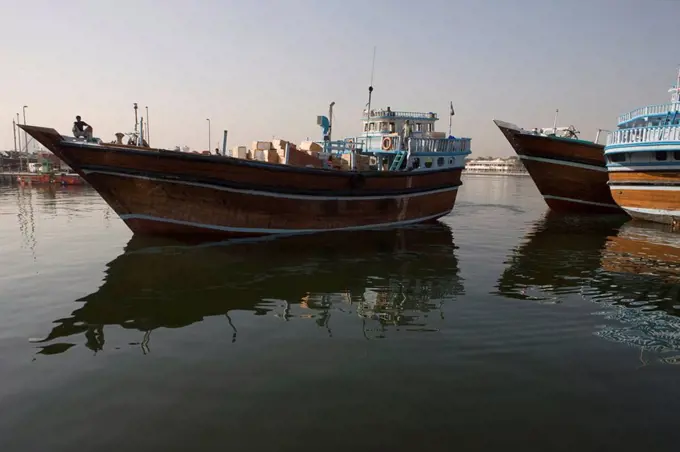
column 647, row 195
column 170, row 193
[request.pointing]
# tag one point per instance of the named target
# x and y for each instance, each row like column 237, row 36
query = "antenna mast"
column 370, row 87
column 675, row 97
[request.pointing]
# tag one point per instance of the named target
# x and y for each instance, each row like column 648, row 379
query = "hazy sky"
column 263, row 67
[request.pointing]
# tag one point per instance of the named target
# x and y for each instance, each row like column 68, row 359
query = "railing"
column 439, row 145
column 415, row 145
column 399, row 114
column 650, row 110
column 644, row 135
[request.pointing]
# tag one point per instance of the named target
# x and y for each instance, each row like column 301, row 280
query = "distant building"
column 510, row 166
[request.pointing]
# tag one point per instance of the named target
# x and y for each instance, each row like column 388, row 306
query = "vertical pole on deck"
column 140, row 137
column 557, row 111
column 451, row 113
column 597, row 137
column 14, row 130
column 148, row 129
column 21, row 162
column 286, row 156
column 330, row 120
column 136, row 118
column 224, row 144
column 209, row 135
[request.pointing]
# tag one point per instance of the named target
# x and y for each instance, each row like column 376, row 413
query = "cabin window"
column 440, row 161
column 450, row 161
column 419, row 127
column 392, row 127
column 618, row 157
column 676, row 155
column 430, row 127
column 661, row 155
column 366, row 127
column 383, row 127
column 416, row 163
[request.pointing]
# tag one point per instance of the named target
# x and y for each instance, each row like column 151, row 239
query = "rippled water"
column 502, row 326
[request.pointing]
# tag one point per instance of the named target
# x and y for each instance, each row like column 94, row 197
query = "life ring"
column 350, row 144
column 387, row 143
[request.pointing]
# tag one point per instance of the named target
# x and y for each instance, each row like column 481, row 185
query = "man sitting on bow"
column 81, row 129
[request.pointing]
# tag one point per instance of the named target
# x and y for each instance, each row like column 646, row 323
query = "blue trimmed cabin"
column 398, row 141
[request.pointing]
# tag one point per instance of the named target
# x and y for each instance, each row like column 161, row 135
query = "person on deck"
column 81, row 129
column 406, row 134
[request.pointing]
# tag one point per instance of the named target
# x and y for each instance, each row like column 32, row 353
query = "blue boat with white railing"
column 643, row 161
column 383, row 145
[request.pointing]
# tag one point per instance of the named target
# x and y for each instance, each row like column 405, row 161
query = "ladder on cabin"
column 667, row 121
column 398, row 160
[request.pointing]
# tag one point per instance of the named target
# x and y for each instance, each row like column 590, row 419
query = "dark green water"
column 500, row 328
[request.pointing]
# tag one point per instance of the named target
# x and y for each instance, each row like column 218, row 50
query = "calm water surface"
column 501, row 327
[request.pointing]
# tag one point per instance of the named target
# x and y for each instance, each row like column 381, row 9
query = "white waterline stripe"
column 580, row 201
column 563, row 162
column 671, row 213
column 276, row 195
column 645, row 187
column 278, row 231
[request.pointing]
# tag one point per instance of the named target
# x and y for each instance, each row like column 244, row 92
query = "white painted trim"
column 659, row 212
column 580, row 201
column 273, row 194
column 642, row 169
column 279, row 231
column 645, row 187
column 618, row 148
column 565, row 163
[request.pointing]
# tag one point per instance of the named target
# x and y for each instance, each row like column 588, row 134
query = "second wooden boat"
column 569, row 172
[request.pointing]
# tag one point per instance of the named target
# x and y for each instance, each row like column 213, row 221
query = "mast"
column 557, row 111
column 370, row 89
column 675, row 96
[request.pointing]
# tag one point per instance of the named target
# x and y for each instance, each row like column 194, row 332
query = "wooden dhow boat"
column 387, row 180
column 569, row 172
column 643, row 159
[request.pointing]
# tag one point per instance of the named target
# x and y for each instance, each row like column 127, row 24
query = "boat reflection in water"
column 557, row 257
column 632, row 270
column 641, row 282
column 389, row 279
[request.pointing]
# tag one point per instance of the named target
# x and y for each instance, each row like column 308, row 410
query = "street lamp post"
column 209, row 134
column 21, row 162
column 25, row 135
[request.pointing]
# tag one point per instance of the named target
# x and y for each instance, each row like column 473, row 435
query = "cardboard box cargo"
column 310, row 146
column 362, row 161
column 261, row 145
column 273, row 156
column 239, row 152
column 299, row 158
